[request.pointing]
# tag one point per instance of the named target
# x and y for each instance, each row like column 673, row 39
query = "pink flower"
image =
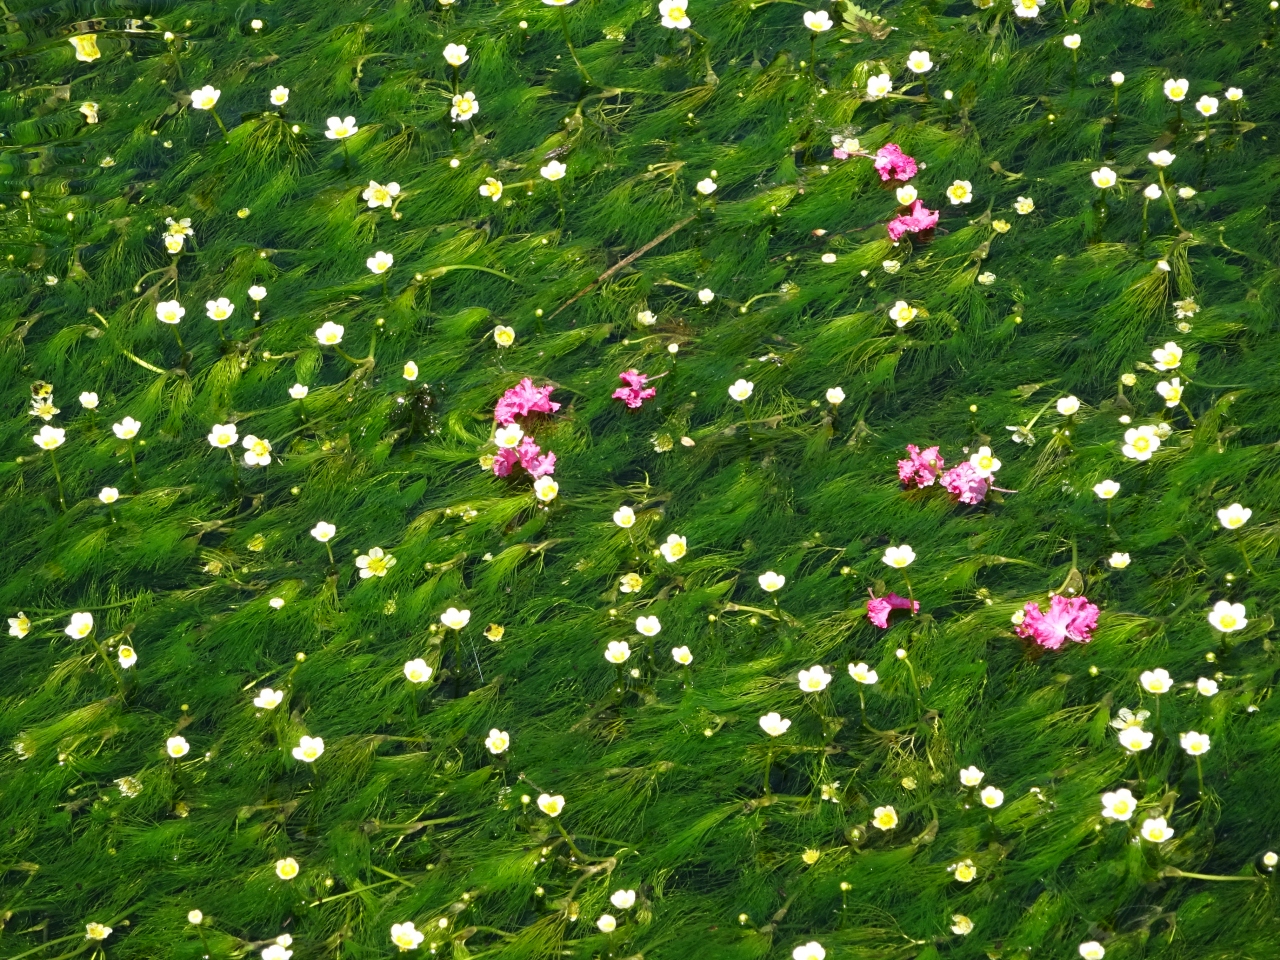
column 532, row 459
column 920, row 218
column 635, row 393
column 503, row 461
column 1072, row 619
column 920, row 468
column 964, row 482
column 521, row 400
column 892, row 163
column 878, row 608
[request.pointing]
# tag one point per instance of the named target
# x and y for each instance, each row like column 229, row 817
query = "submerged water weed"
column 484, row 586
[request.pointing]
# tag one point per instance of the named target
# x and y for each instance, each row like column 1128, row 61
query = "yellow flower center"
column 1227, row 621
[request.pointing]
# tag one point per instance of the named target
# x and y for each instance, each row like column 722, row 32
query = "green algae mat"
column 619, row 479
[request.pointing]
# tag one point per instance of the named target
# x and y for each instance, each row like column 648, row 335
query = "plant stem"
column 221, row 126
column 768, row 765
column 235, row 473
column 1168, row 199
column 1244, row 553
column 564, row 26
column 133, row 466
column 57, row 475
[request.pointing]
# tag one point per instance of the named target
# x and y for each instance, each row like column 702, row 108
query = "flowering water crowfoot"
column 971, row 776
column 1234, row 517
column 552, row 806
column 340, row 128
column 1195, row 744
column 818, row 22
column 919, row 61
column 308, row 749
column 879, row 86
column 814, row 680
column 648, row 626
column 1140, row 443
column 682, row 656
column 984, row 462
column 177, row 747
column 406, row 936
column 618, row 651
column 1227, row 616
column 675, row 14
column 286, row 868
column 1168, row 357
column 268, row 699
column 774, row 725
column 674, row 549
column 991, row 797
column 741, row 390
column 961, row 191
column 885, row 818
column 1156, row 681
column 375, row 563
column 464, row 106
column 771, row 582
column 1091, row 950
column 1156, row 830
column 1118, row 805
column 497, row 741
column 417, row 671
column 257, row 451
column 1176, row 90
column 898, row 557
column 1067, row 619
column 809, row 951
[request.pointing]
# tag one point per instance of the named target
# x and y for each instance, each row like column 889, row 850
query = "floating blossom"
column 375, row 563
column 771, row 582
column 1106, row 489
column 1140, row 443
column 624, row 517
column 455, row 619
column 898, row 557
column 1234, row 517
column 1161, row 158
column 635, row 392
column 984, row 462
column 1067, row 619
column 906, row 195
column 1156, row 681
column 966, row 483
column 675, row 14
column 845, row 147
column 89, row 400
column 497, row 741
column 892, row 164
column 1103, row 178
column 410, row 370
column 835, row 396
column 308, row 749
column 455, row 54
column 1135, row 739
column 1027, row 9
column 465, row 106
column 879, row 608
column 879, row 86
column 1204, row 686
column 553, row 171
column 817, row 22
column 919, row 220
column 774, row 725
column 1227, row 616
column 127, row 655
column 551, row 805
column 675, row 548
column 863, row 674
column 1091, row 950
column 682, row 656
column 522, row 399
column 1071, row 41
column 814, row 680
column 1234, row 93
column 492, row 189
column 405, row 936
column 126, row 429
column 961, row 191
column 1118, row 561
column 991, row 797
column 618, row 651
column 1156, row 830
column 205, row 98
column 341, row 127
column 279, row 96
column 170, row 311
column 1168, row 357
column 546, row 489
column 257, row 451
column 1118, row 805
column 268, row 699
column 740, row 389
column 886, row 818
column 286, row 868
column 623, row 899
column 1171, row 391
column 812, row 950
column 648, row 626
column 606, row 922
column 50, row 438
column 1195, row 744
column 902, row 313
column 380, row 262
column 177, row 747
column 376, row 195
column 919, row 61
column 1176, row 90
column 81, row 625
column 417, row 671
column 706, row 295
column 921, row 467
column 971, row 776
column 220, row 309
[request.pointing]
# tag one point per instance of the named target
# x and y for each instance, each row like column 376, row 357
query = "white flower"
column 173, row 243
column 646, row 318
column 1071, row 41
column 109, row 495
column 504, row 336
column 96, row 931
column 497, row 741
column 323, row 531
column 455, row 54
column 257, row 293
column 170, row 311
column 605, row 922
column 898, row 557
column 879, row 86
column 1135, row 739
column 1234, row 93
column 223, row 435
column 1207, row 106
column 410, row 371
column 551, row 805
column 961, row 925
column 740, row 389
column 205, row 97
column 919, row 61
column 1068, row 406
column 682, row 656
column 405, row 936
column 1103, row 178
column 376, row 195
column 1106, row 489
column 126, row 429
column 508, row 438
column 1206, row 687
column 1270, row 859
column 286, row 869
column 80, row 626
column 774, row 725
column 257, row 452
column 971, row 776
column 960, row 191
column 1156, row 681
column 380, row 262
column 984, row 462
column 465, row 106
column 1228, row 617
column 375, row 563
column 1170, row 390
column 19, row 626
column 268, row 699
column 417, row 671
column 835, row 396
column 863, row 673
column 1196, row 744
column 341, row 127
column 1140, row 443
column 276, row 951
column 649, row 626
column 308, row 749
column 624, row 517
column 299, row 391
column 991, row 797
column 1118, row 805
column 809, row 951
column 195, row 917
column 1234, row 516
column 902, row 313
column 1152, row 192
column 455, row 619
column 1156, row 830
column 906, row 196
column 706, row 295
column 492, row 189
column 50, row 438
column 177, row 747
column 89, row 400
column 891, row 266
column 1175, row 90
column 546, row 489
column 128, row 657
column 886, row 818
column 90, row 111
column 1024, row 205
column 330, row 334
column 1118, row 560
column 675, row 548
column 1168, row 357
column 555, row 170
column 618, row 651
column 1161, row 158
column 771, row 582
column 986, row 278
column 814, row 680
column 279, row 96
column 706, row 187
column 1091, row 950
column 674, row 14
column 1027, row 9
column 623, row 899
column 817, row 22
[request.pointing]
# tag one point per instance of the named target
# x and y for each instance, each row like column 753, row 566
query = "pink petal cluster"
column 920, row 468
column 529, row 455
column 920, row 218
column 521, row 400
column 893, row 164
column 1072, row 619
column 635, row 392
column 879, row 608
column 965, row 483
